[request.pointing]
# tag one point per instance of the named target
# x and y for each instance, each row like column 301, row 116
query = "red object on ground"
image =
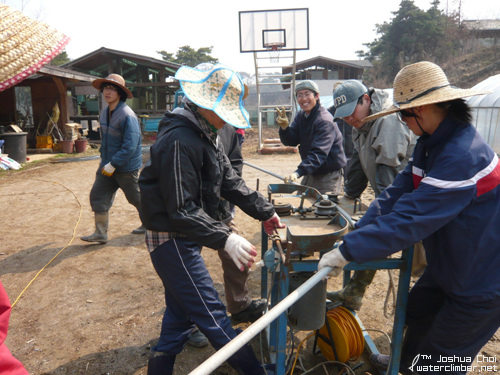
column 9, row 365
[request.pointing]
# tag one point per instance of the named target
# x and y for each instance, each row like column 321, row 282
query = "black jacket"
column 183, row 181
column 319, row 140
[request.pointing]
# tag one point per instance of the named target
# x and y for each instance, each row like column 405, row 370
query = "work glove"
column 333, row 259
column 292, row 179
column 240, row 250
column 108, row 170
column 281, row 118
column 272, row 223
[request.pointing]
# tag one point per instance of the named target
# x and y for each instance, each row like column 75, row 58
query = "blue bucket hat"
column 219, row 89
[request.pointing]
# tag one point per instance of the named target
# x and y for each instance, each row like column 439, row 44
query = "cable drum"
column 346, row 335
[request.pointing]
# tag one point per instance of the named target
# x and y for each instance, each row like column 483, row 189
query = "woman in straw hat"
column 181, row 186
column 449, row 197
column 121, row 156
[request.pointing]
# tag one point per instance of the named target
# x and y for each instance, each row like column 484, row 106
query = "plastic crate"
column 44, row 141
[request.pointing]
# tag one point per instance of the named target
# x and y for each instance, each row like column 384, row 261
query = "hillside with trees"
column 414, row 35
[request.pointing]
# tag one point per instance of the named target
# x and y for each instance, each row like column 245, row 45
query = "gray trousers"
column 103, row 192
column 325, row 183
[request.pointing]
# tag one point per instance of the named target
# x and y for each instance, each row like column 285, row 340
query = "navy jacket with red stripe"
column 448, row 196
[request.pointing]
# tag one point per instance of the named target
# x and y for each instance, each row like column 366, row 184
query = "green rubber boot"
column 351, row 296
column 101, row 228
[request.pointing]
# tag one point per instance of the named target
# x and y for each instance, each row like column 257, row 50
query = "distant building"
column 322, row 70
column 487, row 32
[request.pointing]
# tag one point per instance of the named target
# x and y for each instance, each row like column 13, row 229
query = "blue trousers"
column 190, row 297
column 191, row 300
column 445, row 333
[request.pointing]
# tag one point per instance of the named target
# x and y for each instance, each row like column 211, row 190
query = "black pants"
column 355, row 180
column 445, row 333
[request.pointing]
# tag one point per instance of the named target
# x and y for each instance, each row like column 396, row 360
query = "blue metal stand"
column 404, row 265
column 277, row 332
column 278, row 265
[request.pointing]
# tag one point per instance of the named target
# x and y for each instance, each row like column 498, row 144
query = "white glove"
column 272, row 223
column 108, row 170
column 240, row 250
column 333, row 259
column 292, row 179
column 281, row 118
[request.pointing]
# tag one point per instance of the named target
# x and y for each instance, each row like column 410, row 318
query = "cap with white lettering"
column 346, row 95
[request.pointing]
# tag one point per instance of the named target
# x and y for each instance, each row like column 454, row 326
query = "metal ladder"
column 263, row 66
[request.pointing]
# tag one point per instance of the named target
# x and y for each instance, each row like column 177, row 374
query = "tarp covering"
column 486, row 111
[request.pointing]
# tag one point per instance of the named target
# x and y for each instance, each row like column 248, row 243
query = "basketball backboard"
column 261, row 30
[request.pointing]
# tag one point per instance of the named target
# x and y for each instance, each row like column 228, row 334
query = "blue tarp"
column 152, row 124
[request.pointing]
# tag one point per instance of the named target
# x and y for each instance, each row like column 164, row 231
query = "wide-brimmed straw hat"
column 114, row 79
column 219, row 89
column 419, row 84
column 25, row 46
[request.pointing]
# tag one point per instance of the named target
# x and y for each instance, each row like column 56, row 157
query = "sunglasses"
column 406, row 114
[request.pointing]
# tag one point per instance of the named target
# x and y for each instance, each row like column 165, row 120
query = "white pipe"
column 235, row 344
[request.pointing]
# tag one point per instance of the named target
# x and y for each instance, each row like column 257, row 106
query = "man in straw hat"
column 121, row 156
column 382, row 149
column 181, row 186
column 449, row 197
column 319, row 139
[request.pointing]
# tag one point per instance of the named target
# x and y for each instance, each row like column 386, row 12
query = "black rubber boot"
column 253, row 312
column 351, row 296
column 101, row 228
column 139, row 230
column 161, row 364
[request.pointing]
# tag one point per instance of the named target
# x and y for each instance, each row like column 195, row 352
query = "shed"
column 324, row 68
column 29, row 104
column 150, row 80
column 486, row 111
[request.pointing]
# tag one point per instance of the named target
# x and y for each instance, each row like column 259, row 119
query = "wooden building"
column 487, row 32
column 150, row 80
column 323, row 68
column 30, row 103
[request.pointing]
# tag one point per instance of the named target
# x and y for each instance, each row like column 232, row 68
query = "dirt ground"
column 97, row 309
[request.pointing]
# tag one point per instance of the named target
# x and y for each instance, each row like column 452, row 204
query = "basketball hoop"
column 274, row 51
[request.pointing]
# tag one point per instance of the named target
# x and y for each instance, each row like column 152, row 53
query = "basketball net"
column 274, row 52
